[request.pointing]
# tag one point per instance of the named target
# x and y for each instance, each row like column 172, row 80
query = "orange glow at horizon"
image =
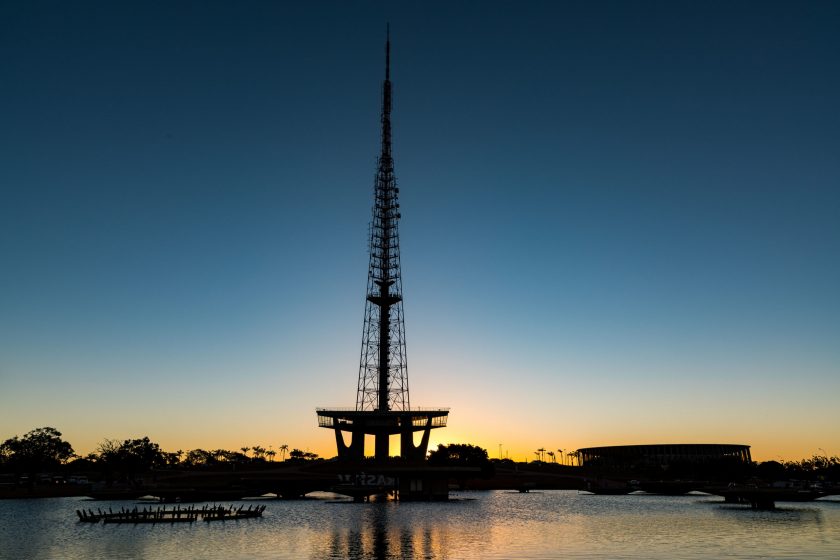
column 764, row 446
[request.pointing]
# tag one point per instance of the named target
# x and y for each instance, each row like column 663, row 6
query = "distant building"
column 680, row 455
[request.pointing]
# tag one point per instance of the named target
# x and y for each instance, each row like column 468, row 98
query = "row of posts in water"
column 176, row 514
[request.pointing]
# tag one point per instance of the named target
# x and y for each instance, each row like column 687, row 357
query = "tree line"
column 44, row 450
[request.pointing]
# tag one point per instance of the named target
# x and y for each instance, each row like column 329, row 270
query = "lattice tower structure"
column 383, row 408
column 383, row 371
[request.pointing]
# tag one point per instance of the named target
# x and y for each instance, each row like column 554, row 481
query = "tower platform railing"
column 412, row 409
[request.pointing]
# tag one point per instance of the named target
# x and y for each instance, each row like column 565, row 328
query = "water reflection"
column 377, row 534
column 782, row 515
column 490, row 525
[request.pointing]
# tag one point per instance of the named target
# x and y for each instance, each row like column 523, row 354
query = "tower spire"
column 387, row 51
column 385, row 156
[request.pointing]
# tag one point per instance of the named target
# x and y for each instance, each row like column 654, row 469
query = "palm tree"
column 541, row 451
column 245, row 450
column 258, row 451
column 271, row 453
column 553, row 458
column 283, row 449
column 560, row 451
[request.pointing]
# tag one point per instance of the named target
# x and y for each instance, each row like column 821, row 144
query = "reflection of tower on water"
column 382, row 531
column 383, row 407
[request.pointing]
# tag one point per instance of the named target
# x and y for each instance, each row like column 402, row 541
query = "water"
column 550, row 524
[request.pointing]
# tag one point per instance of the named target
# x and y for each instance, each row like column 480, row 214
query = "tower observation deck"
column 383, row 407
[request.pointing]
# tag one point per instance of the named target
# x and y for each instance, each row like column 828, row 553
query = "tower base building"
column 382, row 425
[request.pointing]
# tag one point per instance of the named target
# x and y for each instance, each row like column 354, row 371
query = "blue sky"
column 620, row 220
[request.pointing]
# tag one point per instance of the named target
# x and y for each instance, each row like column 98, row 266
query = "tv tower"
column 383, row 407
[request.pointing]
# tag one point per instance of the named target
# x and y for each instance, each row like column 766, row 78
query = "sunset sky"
column 620, row 220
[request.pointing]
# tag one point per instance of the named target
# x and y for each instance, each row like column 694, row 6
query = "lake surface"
column 497, row 524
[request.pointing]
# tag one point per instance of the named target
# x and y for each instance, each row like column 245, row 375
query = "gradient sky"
column 621, row 220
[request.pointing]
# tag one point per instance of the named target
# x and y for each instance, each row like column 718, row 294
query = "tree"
column 143, row 454
column 220, row 455
column 283, row 450
column 108, row 456
column 132, row 456
column 237, row 458
column 459, row 454
column 298, row 455
column 770, row 470
column 39, row 450
column 462, row 455
column 173, row 459
column 199, row 457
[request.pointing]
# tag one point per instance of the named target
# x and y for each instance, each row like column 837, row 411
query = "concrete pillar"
column 408, row 450
column 382, row 446
column 353, row 452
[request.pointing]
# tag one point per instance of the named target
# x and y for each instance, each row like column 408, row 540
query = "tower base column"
column 353, row 452
column 382, row 447
column 408, row 450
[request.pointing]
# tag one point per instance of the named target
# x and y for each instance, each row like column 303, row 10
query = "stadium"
column 681, row 456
